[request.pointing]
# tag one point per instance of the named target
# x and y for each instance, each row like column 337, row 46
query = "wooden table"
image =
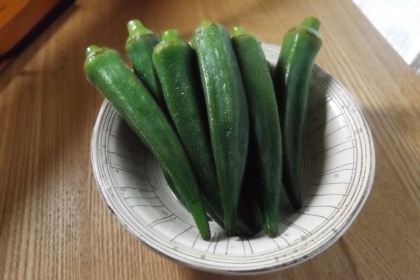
column 53, row 222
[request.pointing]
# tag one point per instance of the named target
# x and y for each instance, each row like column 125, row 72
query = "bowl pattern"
column 339, row 163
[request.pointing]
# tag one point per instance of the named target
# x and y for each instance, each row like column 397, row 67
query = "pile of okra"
column 228, row 133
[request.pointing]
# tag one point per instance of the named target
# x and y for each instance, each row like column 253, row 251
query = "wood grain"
column 53, row 222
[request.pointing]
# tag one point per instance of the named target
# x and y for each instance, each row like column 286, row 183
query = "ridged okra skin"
column 139, row 48
column 227, row 112
column 106, row 70
column 265, row 145
column 177, row 69
column 292, row 76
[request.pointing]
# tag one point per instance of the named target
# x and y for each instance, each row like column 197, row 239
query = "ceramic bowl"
column 339, row 164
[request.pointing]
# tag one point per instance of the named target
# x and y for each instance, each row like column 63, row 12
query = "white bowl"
column 339, row 166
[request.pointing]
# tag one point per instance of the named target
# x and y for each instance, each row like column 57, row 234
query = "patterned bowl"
column 339, row 164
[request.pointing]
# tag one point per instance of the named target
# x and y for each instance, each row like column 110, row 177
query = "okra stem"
column 238, row 30
column 136, row 28
column 170, row 35
column 311, row 23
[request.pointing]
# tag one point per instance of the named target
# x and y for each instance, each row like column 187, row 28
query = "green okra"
column 265, row 145
column 139, row 48
column 184, row 99
column 292, row 76
column 106, row 70
column 227, row 112
column 176, row 66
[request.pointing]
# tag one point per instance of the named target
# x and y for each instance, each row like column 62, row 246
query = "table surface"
column 53, row 222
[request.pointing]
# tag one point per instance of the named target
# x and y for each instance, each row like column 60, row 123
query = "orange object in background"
column 22, row 20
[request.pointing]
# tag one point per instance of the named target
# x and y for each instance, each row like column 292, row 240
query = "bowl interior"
column 338, row 173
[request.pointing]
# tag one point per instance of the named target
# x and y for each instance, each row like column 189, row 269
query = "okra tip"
column 311, row 23
column 136, row 28
column 238, row 30
column 170, row 35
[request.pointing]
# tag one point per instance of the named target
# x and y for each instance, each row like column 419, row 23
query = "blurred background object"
column 399, row 22
column 21, row 21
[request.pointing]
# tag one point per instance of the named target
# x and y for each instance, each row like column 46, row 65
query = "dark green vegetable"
column 292, row 75
column 178, row 196
column 171, row 185
column 265, row 145
column 106, row 70
column 139, row 48
column 184, row 98
column 227, row 112
column 176, row 65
